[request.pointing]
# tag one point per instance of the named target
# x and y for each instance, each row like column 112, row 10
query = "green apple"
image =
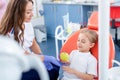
column 64, row 57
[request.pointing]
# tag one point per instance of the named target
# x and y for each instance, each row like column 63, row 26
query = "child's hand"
column 65, row 63
column 64, row 57
column 68, row 69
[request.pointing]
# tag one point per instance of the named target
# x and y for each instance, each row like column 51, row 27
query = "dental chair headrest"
column 93, row 21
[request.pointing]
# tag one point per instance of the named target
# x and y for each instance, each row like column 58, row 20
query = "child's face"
column 83, row 43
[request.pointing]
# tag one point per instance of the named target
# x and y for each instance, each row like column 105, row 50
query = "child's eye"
column 83, row 41
column 78, row 40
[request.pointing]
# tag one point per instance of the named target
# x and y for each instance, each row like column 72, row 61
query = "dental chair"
column 13, row 61
column 71, row 42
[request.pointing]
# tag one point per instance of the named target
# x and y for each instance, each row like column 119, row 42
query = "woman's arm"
column 78, row 74
column 35, row 47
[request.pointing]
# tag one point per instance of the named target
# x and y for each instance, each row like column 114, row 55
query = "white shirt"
column 82, row 62
column 28, row 36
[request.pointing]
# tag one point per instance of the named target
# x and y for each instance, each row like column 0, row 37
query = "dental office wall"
column 37, row 18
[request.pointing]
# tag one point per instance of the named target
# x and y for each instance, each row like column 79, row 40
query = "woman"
column 16, row 25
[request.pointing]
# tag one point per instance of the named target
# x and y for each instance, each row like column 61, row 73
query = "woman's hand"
column 41, row 56
column 52, row 60
column 26, row 52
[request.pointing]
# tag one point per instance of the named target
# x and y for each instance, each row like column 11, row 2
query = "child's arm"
column 78, row 74
column 83, row 75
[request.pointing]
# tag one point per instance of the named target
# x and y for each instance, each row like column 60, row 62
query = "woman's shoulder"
column 27, row 24
column 28, row 31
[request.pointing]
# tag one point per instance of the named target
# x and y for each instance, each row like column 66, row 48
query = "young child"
column 83, row 65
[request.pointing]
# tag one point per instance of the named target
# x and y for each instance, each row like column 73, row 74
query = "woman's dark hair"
column 14, row 18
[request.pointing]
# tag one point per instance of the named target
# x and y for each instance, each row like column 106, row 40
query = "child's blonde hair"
column 92, row 35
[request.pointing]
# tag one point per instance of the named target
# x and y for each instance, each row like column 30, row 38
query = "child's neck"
column 84, row 51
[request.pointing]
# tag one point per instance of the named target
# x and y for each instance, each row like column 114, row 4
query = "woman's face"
column 83, row 43
column 28, row 12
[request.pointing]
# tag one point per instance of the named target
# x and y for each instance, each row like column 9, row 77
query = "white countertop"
column 70, row 2
column 78, row 3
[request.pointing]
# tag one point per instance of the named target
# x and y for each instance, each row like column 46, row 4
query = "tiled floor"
column 112, row 31
column 117, row 48
column 48, row 47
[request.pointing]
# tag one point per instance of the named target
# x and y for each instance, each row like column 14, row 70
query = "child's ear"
column 92, row 45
